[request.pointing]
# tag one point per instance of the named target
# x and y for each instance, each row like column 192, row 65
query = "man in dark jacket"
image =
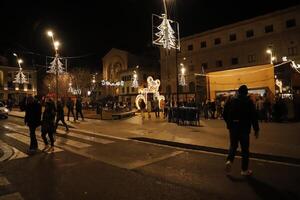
column 32, row 119
column 79, row 109
column 60, row 116
column 48, row 126
column 70, row 106
column 240, row 115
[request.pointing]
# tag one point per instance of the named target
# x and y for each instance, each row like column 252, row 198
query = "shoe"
column 228, row 166
column 247, row 173
column 45, row 148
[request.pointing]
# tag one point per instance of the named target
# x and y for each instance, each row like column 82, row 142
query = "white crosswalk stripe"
column 88, row 138
column 13, row 196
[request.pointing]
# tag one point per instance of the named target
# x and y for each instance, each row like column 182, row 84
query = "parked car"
column 3, row 111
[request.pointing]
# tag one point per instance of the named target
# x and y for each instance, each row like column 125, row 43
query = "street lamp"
column 20, row 76
column 272, row 58
column 56, row 68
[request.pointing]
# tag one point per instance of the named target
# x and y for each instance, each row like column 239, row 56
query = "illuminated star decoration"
column 135, row 83
column 166, row 35
column 52, row 68
column 20, row 77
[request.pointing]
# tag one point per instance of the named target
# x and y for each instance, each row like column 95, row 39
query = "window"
column 217, row 41
column 123, row 90
column 232, row 37
column 127, row 90
column 191, row 67
column 29, row 86
column 204, row 65
column 132, row 89
column 251, row 58
column 168, row 89
column 203, row 44
column 292, row 51
column 190, row 47
column 249, row 33
column 290, row 23
column 191, row 87
column 269, row 29
column 219, row 63
column 180, row 88
column 234, row 61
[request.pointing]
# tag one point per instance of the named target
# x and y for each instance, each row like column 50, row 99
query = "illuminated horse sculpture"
column 153, row 86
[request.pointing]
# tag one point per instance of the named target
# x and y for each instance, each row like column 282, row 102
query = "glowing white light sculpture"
column 279, row 84
column 112, row 84
column 153, row 87
column 135, row 82
column 52, row 68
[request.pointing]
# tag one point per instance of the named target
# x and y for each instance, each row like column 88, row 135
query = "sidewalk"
column 276, row 139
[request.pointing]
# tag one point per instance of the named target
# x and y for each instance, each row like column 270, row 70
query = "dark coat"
column 240, row 113
column 33, row 114
column 60, row 111
column 48, row 118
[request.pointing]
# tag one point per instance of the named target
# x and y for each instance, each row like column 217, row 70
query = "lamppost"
column 272, row 58
column 55, row 69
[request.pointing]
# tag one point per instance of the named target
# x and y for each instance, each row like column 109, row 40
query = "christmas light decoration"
column 165, row 35
column 182, row 80
column 135, row 83
column 112, row 84
column 279, row 84
column 153, row 87
column 56, row 65
column 20, row 77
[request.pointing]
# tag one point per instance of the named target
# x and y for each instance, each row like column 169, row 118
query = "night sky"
column 88, row 29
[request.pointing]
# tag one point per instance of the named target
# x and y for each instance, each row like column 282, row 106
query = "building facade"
column 119, row 67
column 14, row 91
column 237, row 45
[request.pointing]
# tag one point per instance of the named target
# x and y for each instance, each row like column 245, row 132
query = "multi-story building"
column 119, row 66
column 14, row 91
column 238, row 45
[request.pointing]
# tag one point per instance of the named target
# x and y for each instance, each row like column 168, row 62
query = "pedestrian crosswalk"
column 64, row 141
column 4, row 184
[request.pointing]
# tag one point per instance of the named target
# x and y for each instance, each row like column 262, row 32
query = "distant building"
column 119, row 66
column 237, row 45
column 14, row 91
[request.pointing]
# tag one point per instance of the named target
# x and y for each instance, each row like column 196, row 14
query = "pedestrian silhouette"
column 239, row 115
column 48, row 126
column 33, row 120
column 60, row 116
column 70, row 106
column 79, row 109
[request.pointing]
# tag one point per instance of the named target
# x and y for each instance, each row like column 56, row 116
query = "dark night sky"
column 91, row 28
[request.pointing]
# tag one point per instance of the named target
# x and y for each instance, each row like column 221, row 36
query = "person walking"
column 142, row 108
column 32, row 119
column 240, row 115
column 149, row 108
column 79, row 109
column 70, row 107
column 156, row 107
column 48, row 124
column 60, row 116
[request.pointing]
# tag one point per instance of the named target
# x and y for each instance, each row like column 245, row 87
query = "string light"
column 112, row 84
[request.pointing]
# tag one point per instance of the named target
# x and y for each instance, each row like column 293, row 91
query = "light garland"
column 53, row 69
column 20, row 77
column 112, row 84
column 165, row 36
column 153, row 87
column 135, row 83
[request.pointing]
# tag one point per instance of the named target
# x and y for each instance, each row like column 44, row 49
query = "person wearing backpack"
column 239, row 115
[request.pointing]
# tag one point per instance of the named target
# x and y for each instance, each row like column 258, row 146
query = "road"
column 94, row 166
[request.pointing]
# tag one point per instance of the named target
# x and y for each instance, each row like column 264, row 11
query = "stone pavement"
column 276, row 139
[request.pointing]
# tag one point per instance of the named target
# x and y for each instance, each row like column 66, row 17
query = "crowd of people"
column 48, row 118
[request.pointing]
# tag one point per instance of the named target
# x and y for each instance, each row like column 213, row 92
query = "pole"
column 165, row 7
column 177, row 85
column 56, row 78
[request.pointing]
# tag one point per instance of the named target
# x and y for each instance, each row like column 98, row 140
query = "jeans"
column 62, row 119
column 71, row 111
column 50, row 134
column 238, row 136
column 33, row 141
column 79, row 112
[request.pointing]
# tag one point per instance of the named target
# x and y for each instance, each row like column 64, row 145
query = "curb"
column 261, row 156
